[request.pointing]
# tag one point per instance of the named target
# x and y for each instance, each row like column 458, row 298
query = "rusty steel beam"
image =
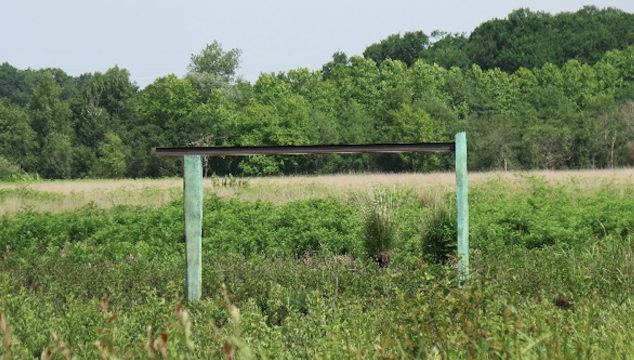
column 304, row 149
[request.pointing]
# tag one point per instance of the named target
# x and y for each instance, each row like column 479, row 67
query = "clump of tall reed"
column 439, row 229
column 379, row 228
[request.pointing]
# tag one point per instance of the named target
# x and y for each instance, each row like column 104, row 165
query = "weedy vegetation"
column 361, row 274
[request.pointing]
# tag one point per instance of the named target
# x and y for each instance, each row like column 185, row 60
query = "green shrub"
column 8, row 170
column 439, row 231
column 380, row 228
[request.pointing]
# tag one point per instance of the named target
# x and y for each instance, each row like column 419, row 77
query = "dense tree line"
column 556, row 115
column 524, row 39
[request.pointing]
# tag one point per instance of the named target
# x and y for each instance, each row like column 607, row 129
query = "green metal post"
column 462, row 206
column 193, row 202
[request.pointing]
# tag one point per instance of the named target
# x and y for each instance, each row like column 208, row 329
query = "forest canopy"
column 533, row 91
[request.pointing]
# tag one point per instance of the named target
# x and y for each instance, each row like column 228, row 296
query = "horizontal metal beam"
column 304, row 149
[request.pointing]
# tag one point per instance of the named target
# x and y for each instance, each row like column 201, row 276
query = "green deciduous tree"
column 13, row 85
column 414, row 125
column 58, row 156
column 530, row 39
column 105, row 103
column 51, row 121
column 142, row 160
column 18, row 85
column 112, row 158
column 407, row 48
column 48, row 113
column 338, row 59
column 447, row 50
column 166, row 101
column 214, row 60
column 206, row 83
column 17, row 138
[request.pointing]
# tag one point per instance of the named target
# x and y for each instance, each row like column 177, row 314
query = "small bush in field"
column 8, row 170
column 380, row 228
column 438, row 231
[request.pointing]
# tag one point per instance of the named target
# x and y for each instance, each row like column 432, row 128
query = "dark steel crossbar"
column 304, row 149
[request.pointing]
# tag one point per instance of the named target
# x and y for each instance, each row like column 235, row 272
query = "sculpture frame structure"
column 193, row 190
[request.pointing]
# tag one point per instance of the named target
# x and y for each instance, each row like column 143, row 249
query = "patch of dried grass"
column 156, row 192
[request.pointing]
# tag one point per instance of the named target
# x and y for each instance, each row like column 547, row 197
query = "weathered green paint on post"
column 462, row 206
column 193, row 202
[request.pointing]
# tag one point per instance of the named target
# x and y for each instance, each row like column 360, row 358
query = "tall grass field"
column 332, row 267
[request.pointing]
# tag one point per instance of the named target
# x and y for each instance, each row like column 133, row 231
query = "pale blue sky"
column 152, row 38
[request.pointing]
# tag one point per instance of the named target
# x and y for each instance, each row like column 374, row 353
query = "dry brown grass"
column 154, row 193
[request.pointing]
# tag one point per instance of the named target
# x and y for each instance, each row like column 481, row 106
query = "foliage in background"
column 532, row 91
column 525, row 38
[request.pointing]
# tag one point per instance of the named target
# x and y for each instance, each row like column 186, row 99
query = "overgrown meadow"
column 354, row 274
